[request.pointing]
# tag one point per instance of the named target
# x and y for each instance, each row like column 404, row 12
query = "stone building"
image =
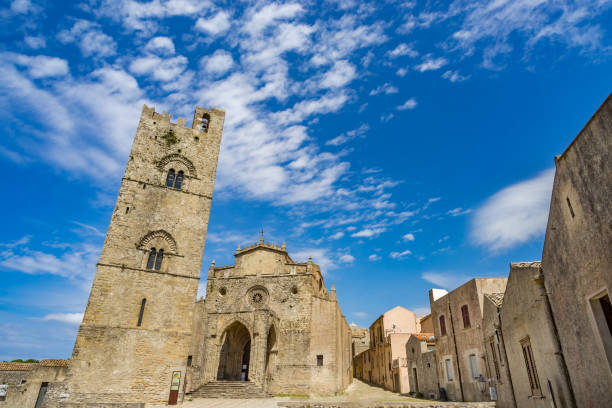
column 577, row 258
column 137, row 328
column 25, row 385
column 460, row 350
column 360, row 339
column 270, row 321
column 530, row 371
column 422, row 365
column 384, row 363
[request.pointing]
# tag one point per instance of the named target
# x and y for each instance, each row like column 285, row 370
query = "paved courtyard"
column 358, row 394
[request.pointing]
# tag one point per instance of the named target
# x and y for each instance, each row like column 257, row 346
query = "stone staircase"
column 229, row 389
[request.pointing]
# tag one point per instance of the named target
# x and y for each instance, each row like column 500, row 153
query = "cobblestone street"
column 358, row 394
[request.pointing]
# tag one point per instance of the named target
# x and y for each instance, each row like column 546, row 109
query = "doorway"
column 235, row 356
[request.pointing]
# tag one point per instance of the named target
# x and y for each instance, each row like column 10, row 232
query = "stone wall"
column 115, row 359
column 577, row 260
column 462, row 341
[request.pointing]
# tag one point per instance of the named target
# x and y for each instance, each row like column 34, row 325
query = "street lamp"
column 482, row 384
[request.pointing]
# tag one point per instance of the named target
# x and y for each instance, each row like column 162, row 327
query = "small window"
column 151, row 260
column 179, row 180
column 466, row 316
column 189, row 359
column 569, row 205
column 127, row 210
column 158, row 259
column 449, row 369
column 170, row 178
column 442, row 326
column 205, row 123
column 320, row 360
column 142, row 308
column 474, row 366
column 601, row 308
column 532, row 373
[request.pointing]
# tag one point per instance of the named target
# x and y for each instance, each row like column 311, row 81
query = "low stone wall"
column 102, row 405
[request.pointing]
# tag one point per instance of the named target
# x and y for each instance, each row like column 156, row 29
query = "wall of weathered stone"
column 424, row 361
column 577, row 260
column 114, row 359
column 460, row 342
column 24, row 394
column 524, row 316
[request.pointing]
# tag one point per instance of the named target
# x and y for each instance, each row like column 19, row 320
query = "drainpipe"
column 500, row 339
column 539, row 281
column 450, row 313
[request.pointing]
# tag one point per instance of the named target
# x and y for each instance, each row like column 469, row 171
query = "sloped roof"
column 6, row 366
column 423, row 336
column 496, row 298
column 54, row 363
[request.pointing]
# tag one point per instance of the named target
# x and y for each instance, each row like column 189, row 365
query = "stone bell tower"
column 135, row 335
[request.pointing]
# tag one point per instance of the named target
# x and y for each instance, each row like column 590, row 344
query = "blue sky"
column 404, row 145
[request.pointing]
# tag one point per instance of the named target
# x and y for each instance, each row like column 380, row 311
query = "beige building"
column 25, row 385
column 577, row 258
column 269, row 321
column 360, row 339
column 384, row 363
column 460, row 350
column 422, row 365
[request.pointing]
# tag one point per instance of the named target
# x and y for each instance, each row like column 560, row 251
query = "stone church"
column 268, row 325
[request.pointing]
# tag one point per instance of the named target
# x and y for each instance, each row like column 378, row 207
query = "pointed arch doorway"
column 235, row 357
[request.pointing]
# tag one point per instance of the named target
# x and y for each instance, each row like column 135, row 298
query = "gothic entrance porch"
column 235, row 356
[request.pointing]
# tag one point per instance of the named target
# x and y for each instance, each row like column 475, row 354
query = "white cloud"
column 400, row 255
column 454, row 76
column 201, row 290
column 337, row 235
column 368, row 233
column 401, row 72
column 350, row 135
column 341, row 73
column 161, row 45
column 90, row 39
column 402, row 50
column 218, row 63
column 360, row 315
column 35, row 42
column 40, row 66
column 514, row 215
column 455, row 212
column 70, row 318
column 409, row 104
column 431, row 64
column 374, row 257
column 408, row 237
column 495, row 27
column 215, row 25
column 385, row 88
column 160, row 69
column 347, row 258
column 421, row 311
column 21, row 6
column 446, row 280
column 269, row 15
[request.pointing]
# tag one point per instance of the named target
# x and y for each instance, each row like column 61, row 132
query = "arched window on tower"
column 170, row 178
column 151, row 260
column 158, row 260
column 179, row 180
column 205, row 121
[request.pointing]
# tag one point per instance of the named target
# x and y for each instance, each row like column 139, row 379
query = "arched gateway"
column 235, row 353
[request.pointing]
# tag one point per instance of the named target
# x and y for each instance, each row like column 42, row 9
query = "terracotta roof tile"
column 5, row 366
column 496, row 298
column 54, row 363
column 423, row 336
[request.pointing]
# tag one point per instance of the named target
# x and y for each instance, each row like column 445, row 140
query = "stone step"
column 229, row 389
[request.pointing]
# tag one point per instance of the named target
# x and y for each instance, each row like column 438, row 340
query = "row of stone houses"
column 542, row 337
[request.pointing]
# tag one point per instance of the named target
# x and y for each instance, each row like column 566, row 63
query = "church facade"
column 270, row 320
